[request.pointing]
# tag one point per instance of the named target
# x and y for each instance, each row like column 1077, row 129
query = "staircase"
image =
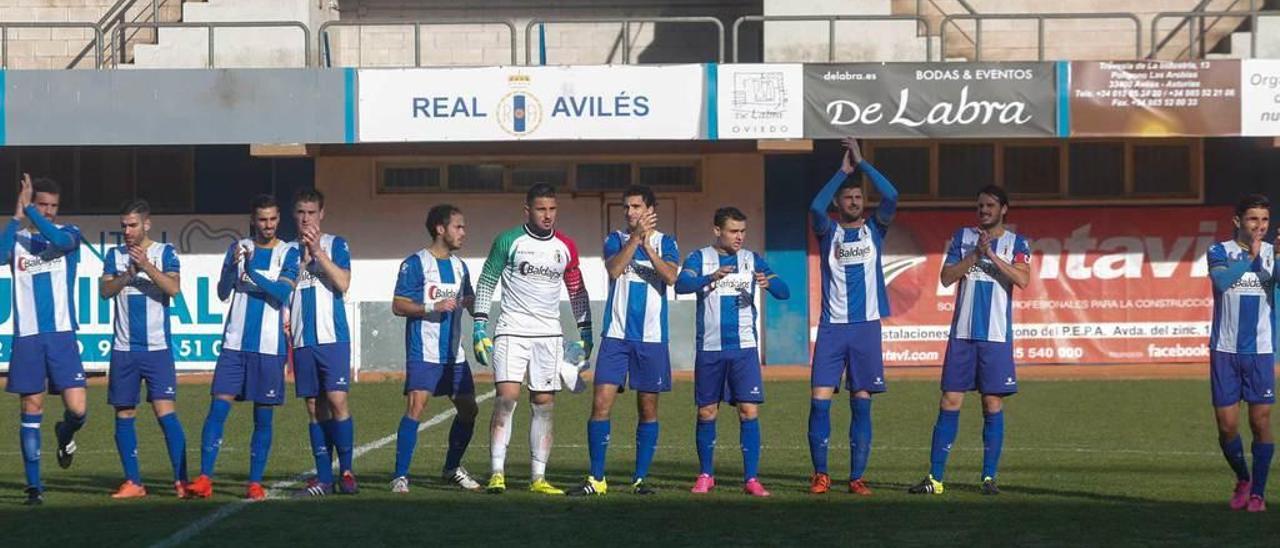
column 235, row 47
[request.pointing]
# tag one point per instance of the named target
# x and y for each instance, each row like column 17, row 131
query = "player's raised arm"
column 1018, row 271
column 112, row 281
column 1223, row 271
column 818, row 207
column 618, row 254
column 164, row 276
column 955, row 265
column 280, row 289
column 888, row 194
column 337, row 269
column 667, row 261
column 230, row 273
column 8, row 239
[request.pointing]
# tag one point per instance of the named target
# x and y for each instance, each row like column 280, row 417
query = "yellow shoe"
column 544, row 487
column 497, row 484
column 927, row 486
column 589, row 487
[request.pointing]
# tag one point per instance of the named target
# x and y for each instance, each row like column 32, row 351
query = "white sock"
column 540, row 438
column 500, row 434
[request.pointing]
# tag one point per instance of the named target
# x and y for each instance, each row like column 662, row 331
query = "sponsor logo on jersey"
column 439, row 292
column 551, row 273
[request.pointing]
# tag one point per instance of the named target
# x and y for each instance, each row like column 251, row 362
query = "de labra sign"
column 912, row 100
column 516, row 103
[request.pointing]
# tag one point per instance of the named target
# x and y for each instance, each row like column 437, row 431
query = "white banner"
column 515, row 103
column 760, row 101
column 1260, row 97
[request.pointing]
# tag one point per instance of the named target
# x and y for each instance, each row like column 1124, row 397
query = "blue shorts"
column 52, row 357
column 129, row 369
column 643, row 366
column 1248, row 377
column 852, row 350
column 324, row 367
column 250, row 376
column 979, row 365
column 453, row 379
column 728, row 375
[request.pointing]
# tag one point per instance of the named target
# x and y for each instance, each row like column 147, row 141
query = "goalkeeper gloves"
column 584, row 332
column 483, row 345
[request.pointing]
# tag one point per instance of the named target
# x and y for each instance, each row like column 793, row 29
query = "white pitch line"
column 228, row 510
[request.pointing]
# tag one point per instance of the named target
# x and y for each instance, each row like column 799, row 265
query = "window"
column 525, row 176
column 394, row 179
column 101, row 179
column 603, row 176
column 475, row 177
column 668, row 176
column 1043, row 169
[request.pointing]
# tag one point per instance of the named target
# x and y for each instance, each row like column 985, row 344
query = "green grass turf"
column 1114, row 462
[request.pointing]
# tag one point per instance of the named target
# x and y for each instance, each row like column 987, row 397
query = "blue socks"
column 705, row 439
column 175, row 440
column 29, row 434
column 320, row 450
column 459, row 438
column 260, row 442
column 1233, row 450
column 343, row 438
column 646, row 446
column 406, row 441
column 992, row 443
column 1262, row 453
column 859, row 437
column 127, row 446
column 71, row 423
column 749, row 437
column 211, row 434
column 819, row 433
column 944, row 434
column 598, row 446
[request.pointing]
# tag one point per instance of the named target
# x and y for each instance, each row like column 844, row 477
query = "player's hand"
column 445, row 305
column 984, row 243
column 1255, row 244
column 482, row 344
column 24, row 196
column 852, row 155
column 588, row 343
column 762, row 280
column 648, row 224
column 138, row 257
column 722, row 272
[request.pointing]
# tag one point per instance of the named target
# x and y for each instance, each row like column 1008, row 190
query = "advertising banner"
column 930, row 100
column 760, row 101
column 1155, row 98
column 514, row 103
column 196, row 315
column 1110, row 287
column 1260, row 97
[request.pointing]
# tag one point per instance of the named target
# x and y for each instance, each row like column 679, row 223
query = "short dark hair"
column 729, row 213
column 644, row 192
column 45, row 185
column 139, row 206
column 309, row 195
column 1252, row 201
column 995, row 192
column 263, row 201
column 440, row 216
column 850, row 182
column 539, row 190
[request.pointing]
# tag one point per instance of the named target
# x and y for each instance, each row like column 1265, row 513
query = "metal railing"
column 1251, row 15
column 626, row 31
column 1039, row 18
column 323, row 33
column 1191, row 32
column 211, row 25
column 113, row 16
column 4, row 37
column 963, row 5
column 831, row 21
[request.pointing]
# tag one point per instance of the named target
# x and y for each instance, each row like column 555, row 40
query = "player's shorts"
column 249, row 376
column 979, row 365
column 45, row 357
column 851, row 350
column 322, row 367
column 450, row 379
column 727, row 375
column 1248, row 377
column 130, row 368
column 534, row 361
column 644, row 366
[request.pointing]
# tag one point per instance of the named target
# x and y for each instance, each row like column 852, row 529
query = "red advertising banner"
column 1108, row 285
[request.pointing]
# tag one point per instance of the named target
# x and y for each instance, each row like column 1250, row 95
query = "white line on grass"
column 228, row 510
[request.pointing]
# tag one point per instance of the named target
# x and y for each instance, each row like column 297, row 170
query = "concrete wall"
column 383, row 229
column 46, row 48
column 238, row 47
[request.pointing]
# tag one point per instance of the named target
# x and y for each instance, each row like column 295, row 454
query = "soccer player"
column 727, row 366
column 142, row 275
column 432, row 290
column 853, row 301
column 988, row 261
column 43, row 258
column 1241, row 359
column 531, row 261
column 641, row 263
column 321, row 343
column 258, row 275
